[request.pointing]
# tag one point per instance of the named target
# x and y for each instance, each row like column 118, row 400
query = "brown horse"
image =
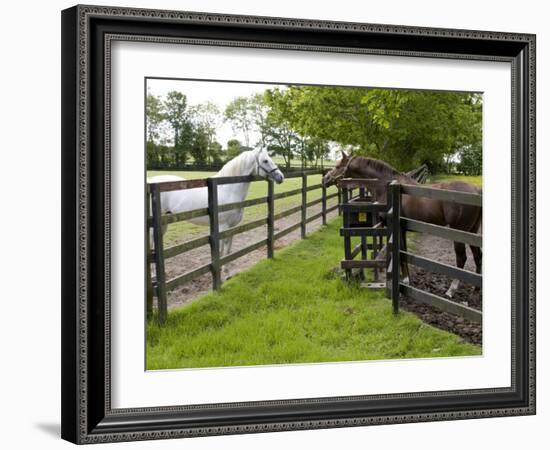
column 438, row 212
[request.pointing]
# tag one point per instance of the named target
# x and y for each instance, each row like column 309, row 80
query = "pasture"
column 294, row 308
column 473, row 179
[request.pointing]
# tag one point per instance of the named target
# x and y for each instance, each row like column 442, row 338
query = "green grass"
column 294, row 309
column 183, row 231
column 473, row 179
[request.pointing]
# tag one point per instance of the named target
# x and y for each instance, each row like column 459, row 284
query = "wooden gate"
column 361, row 218
column 397, row 224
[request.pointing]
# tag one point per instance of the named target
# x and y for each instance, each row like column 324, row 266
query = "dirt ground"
column 197, row 257
column 442, row 250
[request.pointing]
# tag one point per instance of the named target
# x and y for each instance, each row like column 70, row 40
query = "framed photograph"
column 279, row 224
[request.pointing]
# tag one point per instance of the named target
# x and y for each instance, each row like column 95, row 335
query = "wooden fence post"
column 395, row 193
column 270, row 218
column 214, row 232
column 364, row 239
column 324, row 203
column 389, row 243
column 304, row 205
column 347, row 237
column 148, row 281
column 159, row 253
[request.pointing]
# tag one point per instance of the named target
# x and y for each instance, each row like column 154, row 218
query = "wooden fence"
column 155, row 220
column 398, row 224
column 419, row 174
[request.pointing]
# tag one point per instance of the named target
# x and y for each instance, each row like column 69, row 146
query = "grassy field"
column 184, row 230
column 473, row 179
column 294, row 309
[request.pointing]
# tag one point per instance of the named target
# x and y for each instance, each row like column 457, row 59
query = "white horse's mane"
column 238, row 165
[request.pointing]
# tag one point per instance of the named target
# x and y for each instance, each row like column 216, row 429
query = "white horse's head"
column 265, row 167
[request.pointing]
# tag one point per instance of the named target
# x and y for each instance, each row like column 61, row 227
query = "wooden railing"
column 155, row 220
column 397, row 224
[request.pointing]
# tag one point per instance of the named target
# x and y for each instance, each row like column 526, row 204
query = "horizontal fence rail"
column 443, row 232
column 472, row 278
column 464, row 198
column 156, row 221
column 441, row 303
column 397, row 256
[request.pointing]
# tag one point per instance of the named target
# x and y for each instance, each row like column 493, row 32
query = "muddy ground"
column 442, row 250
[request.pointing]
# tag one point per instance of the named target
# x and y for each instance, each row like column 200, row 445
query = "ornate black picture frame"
column 87, row 415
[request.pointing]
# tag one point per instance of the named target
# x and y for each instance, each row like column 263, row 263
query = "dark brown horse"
column 439, row 212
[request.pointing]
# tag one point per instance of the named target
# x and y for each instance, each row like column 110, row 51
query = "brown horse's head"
column 365, row 167
column 338, row 172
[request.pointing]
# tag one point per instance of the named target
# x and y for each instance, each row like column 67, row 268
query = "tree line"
column 178, row 133
column 406, row 128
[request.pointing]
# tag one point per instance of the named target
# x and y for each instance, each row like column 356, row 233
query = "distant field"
column 183, row 231
column 473, row 179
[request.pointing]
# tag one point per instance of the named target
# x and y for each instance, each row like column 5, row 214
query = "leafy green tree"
column 278, row 133
column 208, row 118
column 200, row 145
column 240, row 113
column 317, row 150
column 233, row 149
column 259, row 112
column 154, row 118
column 405, row 128
column 177, row 115
column 471, row 160
column 215, row 152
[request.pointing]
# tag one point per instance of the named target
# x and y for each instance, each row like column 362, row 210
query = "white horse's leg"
column 227, row 250
column 460, row 251
column 224, row 249
column 228, row 244
column 452, row 288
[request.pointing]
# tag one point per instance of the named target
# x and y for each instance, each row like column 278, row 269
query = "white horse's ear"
column 344, row 156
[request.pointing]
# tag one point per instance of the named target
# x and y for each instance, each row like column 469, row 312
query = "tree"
column 233, row 149
column 259, row 111
column 208, row 117
column 177, row 115
column 154, row 118
column 404, row 128
column 199, row 145
column 278, row 134
column 240, row 113
column 317, row 149
column 215, row 151
column 471, row 160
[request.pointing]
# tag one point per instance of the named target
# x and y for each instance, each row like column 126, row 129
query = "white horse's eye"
column 265, row 161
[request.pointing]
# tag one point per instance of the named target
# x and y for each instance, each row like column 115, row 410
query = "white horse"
column 253, row 162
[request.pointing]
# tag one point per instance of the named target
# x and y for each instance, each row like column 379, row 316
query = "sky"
column 219, row 93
